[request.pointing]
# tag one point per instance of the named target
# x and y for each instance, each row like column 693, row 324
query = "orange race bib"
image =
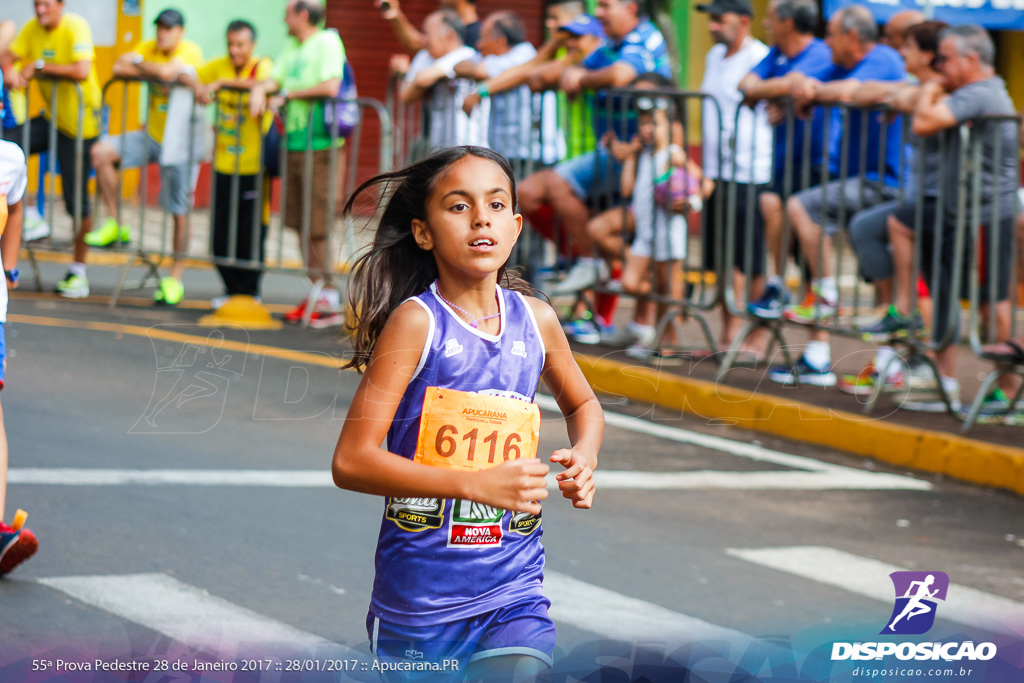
column 467, row 430
column 3, row 213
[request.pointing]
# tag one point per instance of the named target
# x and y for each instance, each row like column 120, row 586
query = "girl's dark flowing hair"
column 394, row 267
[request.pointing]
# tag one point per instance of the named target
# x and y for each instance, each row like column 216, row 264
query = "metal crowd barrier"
column 963, row 234
column 150, row 249
column 979, row 334
column 51, row 170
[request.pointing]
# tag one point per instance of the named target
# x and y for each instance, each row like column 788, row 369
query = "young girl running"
column 452, row 350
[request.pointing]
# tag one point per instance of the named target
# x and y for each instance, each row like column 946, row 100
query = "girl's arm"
column 584, row 418
column 360, row 464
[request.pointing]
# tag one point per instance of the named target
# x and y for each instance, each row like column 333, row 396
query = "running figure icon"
column 915, row 607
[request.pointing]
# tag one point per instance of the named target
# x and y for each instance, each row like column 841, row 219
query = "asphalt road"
column 122, row 422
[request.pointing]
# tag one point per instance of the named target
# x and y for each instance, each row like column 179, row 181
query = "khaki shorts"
column 320, row 185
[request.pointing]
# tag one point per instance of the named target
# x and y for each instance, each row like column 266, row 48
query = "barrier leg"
column 975, row 409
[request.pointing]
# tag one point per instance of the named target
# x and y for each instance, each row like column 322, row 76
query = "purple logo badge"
column 916, row 596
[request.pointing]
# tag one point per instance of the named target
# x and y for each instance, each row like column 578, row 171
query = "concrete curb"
column 969, row 460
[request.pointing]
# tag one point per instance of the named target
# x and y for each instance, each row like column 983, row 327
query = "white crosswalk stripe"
column 870, row 578
column 184, row 613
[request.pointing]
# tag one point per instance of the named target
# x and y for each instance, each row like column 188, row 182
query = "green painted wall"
column 206, row 21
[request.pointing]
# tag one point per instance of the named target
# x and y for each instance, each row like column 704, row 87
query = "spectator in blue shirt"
column 633, row 46
column 795, row 53
column 815, row 212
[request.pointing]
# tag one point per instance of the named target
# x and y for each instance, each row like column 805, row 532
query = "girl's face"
column 470, row 225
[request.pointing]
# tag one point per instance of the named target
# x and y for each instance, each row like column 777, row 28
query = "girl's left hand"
column 577, row 482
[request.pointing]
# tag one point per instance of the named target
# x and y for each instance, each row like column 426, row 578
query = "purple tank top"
column 445, row 560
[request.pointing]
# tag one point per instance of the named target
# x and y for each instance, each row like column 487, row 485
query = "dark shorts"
column 994, row 248
column 39, row 142
column 747, row 210
column 520, row 629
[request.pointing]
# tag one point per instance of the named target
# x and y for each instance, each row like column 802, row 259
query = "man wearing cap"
column 632, row 46
column 733, row 56
column 169, row 58
column 58, row 44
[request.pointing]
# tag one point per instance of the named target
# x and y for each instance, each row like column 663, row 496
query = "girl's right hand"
column 514, row 485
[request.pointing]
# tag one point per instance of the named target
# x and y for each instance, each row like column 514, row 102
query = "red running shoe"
column 16, row 546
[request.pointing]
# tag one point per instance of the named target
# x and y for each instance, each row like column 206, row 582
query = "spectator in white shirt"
column 522, row 126
column 733, row 56
column 431, row 79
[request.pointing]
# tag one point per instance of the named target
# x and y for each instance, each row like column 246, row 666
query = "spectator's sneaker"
column 815, row 307
column 995, row 402
column 17, row 544
column 639, row 351
column 803, row 373
column 34, row 226
column 629, row 334
column 583, row 275
column 931, row 401
column 668, row 357
column 109, row 234
column 73, row 286
column 586, row 331
column 170, row 292
column 771, row 303
column 920, row 377
column 325, row 314
column 893, row 324
column 864, row 383
column 323, row 319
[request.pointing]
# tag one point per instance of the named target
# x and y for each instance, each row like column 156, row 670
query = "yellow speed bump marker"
column 242, row 311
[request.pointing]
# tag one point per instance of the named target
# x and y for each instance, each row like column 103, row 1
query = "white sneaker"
column 34, row 226
column 931, row 402
column 585, row 274
column 639, row 351
column 626, row 335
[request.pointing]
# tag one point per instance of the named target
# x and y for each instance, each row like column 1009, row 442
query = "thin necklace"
column 469, row 316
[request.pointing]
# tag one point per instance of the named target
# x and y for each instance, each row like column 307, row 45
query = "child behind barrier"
column 453, row 351
column 663, row 185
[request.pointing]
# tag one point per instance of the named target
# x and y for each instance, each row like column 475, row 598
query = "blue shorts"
column 3, row 356
column 593, row 175
column 520, row 629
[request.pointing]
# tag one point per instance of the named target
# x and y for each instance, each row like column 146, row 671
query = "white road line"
column 606, row 479
column 813, row 475
column 614, row 615
column 715, row 443
column 706, row 480
column 183, row 612
column 870, row 578
column 73, row 476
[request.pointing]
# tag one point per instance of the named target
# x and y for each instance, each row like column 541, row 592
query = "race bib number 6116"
column 466, row 430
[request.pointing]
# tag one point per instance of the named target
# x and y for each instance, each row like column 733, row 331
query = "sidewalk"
column 989, row 455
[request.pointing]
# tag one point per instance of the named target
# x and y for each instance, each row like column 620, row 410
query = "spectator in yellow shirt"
column 226, row 81
column 57, row 46
column 170, row 59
